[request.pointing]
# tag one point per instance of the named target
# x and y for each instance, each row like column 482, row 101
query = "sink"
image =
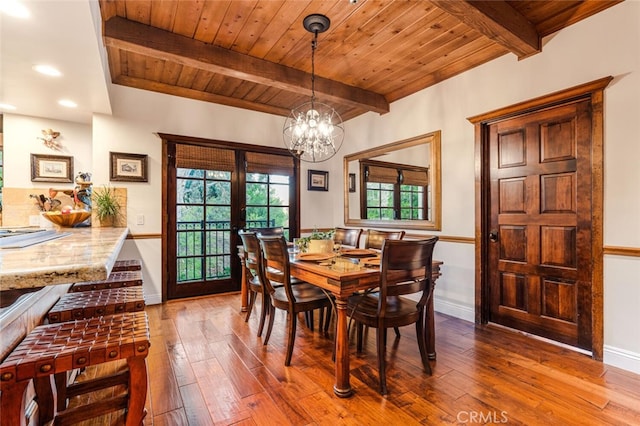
column 11, row 238
column 9, row 232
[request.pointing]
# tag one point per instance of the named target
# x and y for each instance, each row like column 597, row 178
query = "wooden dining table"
column 342, row 277
column 342, row 282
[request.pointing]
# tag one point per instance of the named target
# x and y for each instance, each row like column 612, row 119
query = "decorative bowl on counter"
column 67, row 220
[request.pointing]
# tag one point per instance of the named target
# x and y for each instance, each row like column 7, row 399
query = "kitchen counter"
column 46, row 271
column 85, row 254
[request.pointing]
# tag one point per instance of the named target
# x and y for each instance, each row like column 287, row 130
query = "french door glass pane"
column 267, row 201
column 218, row 192
column 257, row 216
column 190, row 191
column 203, row 225
column 193, row 173
column 280, row 215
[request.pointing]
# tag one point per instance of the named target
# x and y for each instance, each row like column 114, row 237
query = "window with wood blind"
column 268, row 191
column 394, row 191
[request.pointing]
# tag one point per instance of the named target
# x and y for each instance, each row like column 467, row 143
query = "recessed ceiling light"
column 67, row 103
column 47, row 70
column 14, row 8
column 7, row 107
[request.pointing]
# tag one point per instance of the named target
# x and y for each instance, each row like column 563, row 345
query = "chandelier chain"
column 314, row 45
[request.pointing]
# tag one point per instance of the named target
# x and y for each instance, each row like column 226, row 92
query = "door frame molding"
column 594, row 92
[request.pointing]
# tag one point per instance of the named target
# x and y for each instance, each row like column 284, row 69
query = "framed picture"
column 51, row 168
column 128, row 167
column 318, row 180
column 352, row 182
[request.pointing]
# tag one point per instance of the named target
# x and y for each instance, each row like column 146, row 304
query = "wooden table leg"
column 244, row 293
column 431, row 330
column 342, row 387
column 430, row 326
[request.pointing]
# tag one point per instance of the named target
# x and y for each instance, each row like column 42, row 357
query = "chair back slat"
column 348, row 236
column 276, row 261
column 277, row 231
column 254, row 263
column 405, row 268
column 374, row 238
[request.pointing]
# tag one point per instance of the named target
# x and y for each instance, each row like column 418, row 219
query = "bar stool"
column 127, row 265
column 88, row 304
column 115, row 280
column 58, row 348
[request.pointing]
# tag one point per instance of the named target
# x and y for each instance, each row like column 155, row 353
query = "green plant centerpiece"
column 106, row 205
column 317, row 242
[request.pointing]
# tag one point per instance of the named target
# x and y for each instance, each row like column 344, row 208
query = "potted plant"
column 106, row 205
column 317, row 242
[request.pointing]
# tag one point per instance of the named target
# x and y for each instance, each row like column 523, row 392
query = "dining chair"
column 373, row 239
column 405, row 269
column 277, row 230
column 254, row 276
column 293, row 299
column 348, row 236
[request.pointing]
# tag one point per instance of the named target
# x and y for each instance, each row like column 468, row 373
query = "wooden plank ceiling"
column 255, row 54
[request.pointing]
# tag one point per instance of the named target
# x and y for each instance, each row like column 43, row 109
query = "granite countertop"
column 86, row 254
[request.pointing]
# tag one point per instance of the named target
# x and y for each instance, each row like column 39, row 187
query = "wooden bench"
column 58, row 348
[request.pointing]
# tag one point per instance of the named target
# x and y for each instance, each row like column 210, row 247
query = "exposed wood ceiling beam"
column 145, row 40
column 498, row 21
column 155, row 86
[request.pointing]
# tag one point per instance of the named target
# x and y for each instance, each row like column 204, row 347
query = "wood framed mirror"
column 375, row 166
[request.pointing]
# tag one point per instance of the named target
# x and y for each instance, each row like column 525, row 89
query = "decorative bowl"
column 320, row 246
column 67, row 220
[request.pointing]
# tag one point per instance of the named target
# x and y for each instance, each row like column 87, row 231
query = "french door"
column 212, row 190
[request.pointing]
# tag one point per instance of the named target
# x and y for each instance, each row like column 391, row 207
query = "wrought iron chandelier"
column 313, row 132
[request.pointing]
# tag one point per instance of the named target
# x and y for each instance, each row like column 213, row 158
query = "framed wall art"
column 128, row 167
column 51, row 168
column 318, row 180
column 352, row 182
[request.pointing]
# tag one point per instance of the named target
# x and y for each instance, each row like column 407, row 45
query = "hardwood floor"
column 207, row 367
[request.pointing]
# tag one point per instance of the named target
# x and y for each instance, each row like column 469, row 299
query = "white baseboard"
column 456, row 310
column 153, row 299
column 622, row 358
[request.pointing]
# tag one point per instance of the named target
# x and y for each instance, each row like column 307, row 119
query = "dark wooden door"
column 540, row 260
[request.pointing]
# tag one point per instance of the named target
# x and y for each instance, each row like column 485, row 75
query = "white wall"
column 605, row 44
column 21, row 140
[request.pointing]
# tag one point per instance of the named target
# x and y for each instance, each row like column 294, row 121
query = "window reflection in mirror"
column 397, row 185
